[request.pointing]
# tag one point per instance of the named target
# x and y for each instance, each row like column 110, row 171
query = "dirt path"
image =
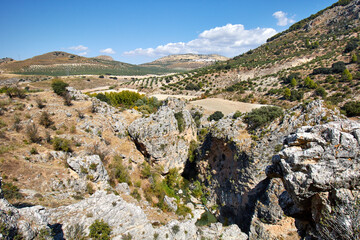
column 211, row 105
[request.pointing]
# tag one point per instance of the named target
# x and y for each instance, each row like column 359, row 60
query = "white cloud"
column 282, row 18
column 229, row 40
column 83, row 53
column 79, row 48
column 108, row 51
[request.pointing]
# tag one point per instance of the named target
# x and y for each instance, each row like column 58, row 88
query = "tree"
column 287, row 93
column 293, row 82
column 347, row 76
column 354, row 58
column 59, row 87
column 320, row 91
column 261, row 116
column 309, row 83
column 100, row 230
column 216, row 116
column 352, row 109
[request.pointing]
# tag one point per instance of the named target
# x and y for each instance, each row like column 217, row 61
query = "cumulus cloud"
column 108, row 51
column 83, row 53
column 282, row 18
column 79, row 48
column 229, row 40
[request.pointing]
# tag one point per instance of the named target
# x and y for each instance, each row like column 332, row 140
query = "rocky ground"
column 296, row 177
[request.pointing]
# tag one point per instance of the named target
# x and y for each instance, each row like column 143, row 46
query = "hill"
column 186, row 61
column 61, row 63
column 320, row 53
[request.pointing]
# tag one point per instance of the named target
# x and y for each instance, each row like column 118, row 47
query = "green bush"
column 45, row 119
column 180, row 120
column 100, row 230
column 11, row 191
column 61, row 144
column 59, row 87
column 352, row 109
column 119, row 171
column 216, row 116
column 206, row 219
column 262, row 116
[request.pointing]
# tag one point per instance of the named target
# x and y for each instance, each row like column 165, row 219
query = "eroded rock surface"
column 320, row 168
column 162, row 137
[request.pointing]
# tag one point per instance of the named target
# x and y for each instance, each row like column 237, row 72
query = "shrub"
column 102, row 97
column 262, row 116
column 119, row 171
column 40, row 103
column 45, row 119
column 309, row 83
column 15, row 92
column 75, row 232
column 237, row 114
column 346, row 75
column 59, row 87
column 61, row 144
column 320, row 91
column 206, row 219
column 67, row 99
column 11, row 191
column 135, row 194
column 338, row 67
column 180, row 120
column 100, row 230
column 351, row 45
column 33, row 151
column 175, row 229
column 352, row 109
column 32, row 133
column 216, row 116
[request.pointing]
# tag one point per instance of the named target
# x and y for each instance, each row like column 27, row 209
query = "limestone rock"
column 159, row 137
column 170, row 202
column 89, row 165
column 320, row 168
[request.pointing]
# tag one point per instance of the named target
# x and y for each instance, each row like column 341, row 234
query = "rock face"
column 164, row 137
column 125, row 219
column 232, row 167
column 89, row 166
column 320, row 168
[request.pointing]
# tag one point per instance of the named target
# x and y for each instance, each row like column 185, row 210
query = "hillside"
column 186, row 61
column 106, row 163
column 62, row 64
column 317, row 49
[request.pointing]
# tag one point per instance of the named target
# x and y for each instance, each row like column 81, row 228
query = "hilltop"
column 186, row 61
column 61, row 64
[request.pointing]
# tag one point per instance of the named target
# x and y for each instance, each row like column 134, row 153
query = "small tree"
column 354, row 58
column 100, row 230
column 293, row 82
column 347, row 76
column 216, row 116
column 45, row 119
column 287, row 93
column 59, row 87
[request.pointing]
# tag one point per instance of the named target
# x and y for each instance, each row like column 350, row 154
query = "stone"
column 123, row 188
column 158, row 136
column 171, row 203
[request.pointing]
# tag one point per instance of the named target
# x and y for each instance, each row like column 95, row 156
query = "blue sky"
column 140, row 31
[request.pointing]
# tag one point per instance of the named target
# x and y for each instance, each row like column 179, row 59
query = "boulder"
column 162, row 138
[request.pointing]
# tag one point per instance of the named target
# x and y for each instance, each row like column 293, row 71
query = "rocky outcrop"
column 164, row 137
column 231, row 164
column 320, row 169
column 125, row 219
column 89, row 165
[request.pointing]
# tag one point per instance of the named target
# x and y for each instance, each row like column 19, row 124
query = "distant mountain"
column 61, row 63
column 105, row 57
column 186, row 61
column 6, row 60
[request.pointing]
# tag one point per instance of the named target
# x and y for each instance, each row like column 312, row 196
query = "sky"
column 140, row 31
